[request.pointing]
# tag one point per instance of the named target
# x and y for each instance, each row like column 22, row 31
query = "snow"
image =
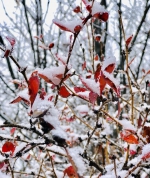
column 108, row 61
column 91, row 85
column 52, row 73
column 82, row 109
column 59, row 132
column 78, row 160
column 69, row 25
column 145, row 149
column 3, row 175
column 127, row 125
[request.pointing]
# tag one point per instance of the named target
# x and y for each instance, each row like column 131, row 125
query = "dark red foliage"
column 33, row 87
column 63, row 92
column 8, row 147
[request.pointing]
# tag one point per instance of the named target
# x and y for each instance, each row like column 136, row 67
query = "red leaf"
column 77, row 9
column 42, row 93
column 139, row 121
column 132, row 152
column 61, row 26
column 60, row 76
column 146, row 133
column 12, row 130
column 101, row 16
column 97, row 38
column 129, row 40
column 18, row 99
column 129, row 137
column 146, row 156
column 45, row 78
column 112, row 85
column 63, row 92
column 8, row 147
column 2, row 165
column 93, row 97
column 102, row 82
column 7, row 53
column 69, row 171
column 96, row 58
column 84, row 65
column 79, row 89
column 77, row 28
column 148, row 72
column 110, row 68
column 97, row 72
column 11, row 40
column 33, row 87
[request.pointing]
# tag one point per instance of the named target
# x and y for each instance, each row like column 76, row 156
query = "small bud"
column 77, row 9
column 51, row 45
column 77, row 28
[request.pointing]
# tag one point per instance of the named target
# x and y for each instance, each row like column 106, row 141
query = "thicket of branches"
column 75, row 93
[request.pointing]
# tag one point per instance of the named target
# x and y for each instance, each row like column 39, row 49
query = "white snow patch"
column 74, row 153
column 127, row 125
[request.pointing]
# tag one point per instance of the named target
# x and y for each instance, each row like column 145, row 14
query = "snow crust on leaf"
column 107, row 62
column 112, row 82
column 82, row 109
column 78, row 160
column 91, row 85
column 127, row 125
column 97, row 8
column 68, row 25
column 53, row 73
column 146, row 152
column 22, row 95
column 84, row 94
column 61, row 58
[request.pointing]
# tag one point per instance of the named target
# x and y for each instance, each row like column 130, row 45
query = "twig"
column 52, row 164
